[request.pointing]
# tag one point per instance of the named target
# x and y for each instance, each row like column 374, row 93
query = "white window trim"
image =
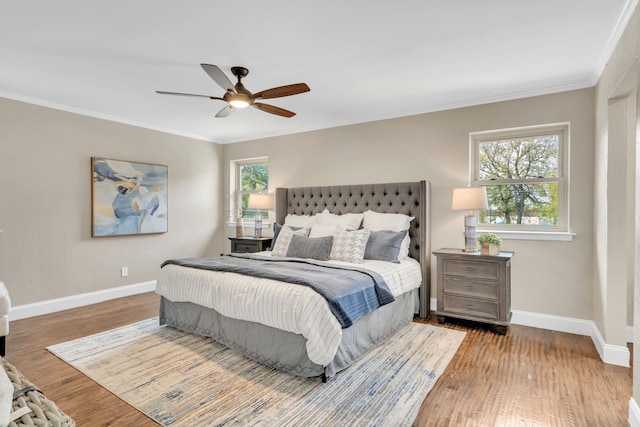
column 561, row 232
column 556, row 236
column 234, row 179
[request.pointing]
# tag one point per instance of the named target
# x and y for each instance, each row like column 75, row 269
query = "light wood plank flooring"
column 529, row 377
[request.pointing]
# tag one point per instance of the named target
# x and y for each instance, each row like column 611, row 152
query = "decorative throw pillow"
column 284, row 239
column 276, row 231
column 349, row 246
column 384, row 245
column 305, row 247
column 376, row 221
column 348, row 221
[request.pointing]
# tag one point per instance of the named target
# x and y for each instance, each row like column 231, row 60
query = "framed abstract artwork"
column 128, row 198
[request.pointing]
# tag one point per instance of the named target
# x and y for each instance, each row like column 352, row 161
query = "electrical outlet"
column 124, row 271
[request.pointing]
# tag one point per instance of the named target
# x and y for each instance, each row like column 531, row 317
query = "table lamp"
column 258, row 201
column 469, row 199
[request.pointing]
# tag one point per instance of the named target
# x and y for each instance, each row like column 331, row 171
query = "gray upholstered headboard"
column 409, row 198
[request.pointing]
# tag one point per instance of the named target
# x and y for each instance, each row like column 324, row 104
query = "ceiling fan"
column 239, row 97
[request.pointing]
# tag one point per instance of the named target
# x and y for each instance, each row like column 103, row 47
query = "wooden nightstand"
column 474, row 287
column 250, row 244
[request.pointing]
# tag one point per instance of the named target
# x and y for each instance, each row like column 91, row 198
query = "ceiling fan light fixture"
column 239, row 103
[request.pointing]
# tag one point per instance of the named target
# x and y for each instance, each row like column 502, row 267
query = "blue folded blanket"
column 352, row 292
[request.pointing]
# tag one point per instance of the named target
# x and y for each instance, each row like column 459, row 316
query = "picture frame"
column 128, row 198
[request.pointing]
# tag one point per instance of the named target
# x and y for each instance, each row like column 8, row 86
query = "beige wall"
column 548, row 277
column 46, row 249
column 617, row 204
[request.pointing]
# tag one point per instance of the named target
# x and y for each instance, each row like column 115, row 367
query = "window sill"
column 556, row 236
column 250, row 223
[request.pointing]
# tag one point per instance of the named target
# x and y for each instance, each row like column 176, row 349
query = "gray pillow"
column 384, row 245
column 310, row 247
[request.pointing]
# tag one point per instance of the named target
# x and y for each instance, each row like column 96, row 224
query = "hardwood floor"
column 529, row 377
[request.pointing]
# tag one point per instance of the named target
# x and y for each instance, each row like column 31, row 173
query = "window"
column 251, row 176
column 523, row 171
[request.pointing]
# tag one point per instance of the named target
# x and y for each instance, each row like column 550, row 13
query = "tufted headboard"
column 409, row 198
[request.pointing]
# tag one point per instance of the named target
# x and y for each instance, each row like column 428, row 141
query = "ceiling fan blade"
column 219, row 77
column 281, row 91
column 161, row 92
column 225, row 111
column 273, row 109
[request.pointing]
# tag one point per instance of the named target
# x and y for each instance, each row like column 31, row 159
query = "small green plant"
column 491, row 238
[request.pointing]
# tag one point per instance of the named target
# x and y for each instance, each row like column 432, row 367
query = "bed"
column 314, row 346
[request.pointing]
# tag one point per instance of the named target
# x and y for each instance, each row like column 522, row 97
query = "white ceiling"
column 363, row 60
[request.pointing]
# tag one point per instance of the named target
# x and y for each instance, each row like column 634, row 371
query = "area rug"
column 180, row 379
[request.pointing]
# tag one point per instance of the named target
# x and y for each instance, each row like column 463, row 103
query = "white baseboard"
column 634, row 413
column 612, row 354
column 74, row 301
column 553, row 323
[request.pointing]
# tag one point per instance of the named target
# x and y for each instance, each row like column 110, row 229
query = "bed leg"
column 324, row 377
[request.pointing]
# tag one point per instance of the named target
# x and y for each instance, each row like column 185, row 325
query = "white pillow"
column 376, row 221
column 6, row 397
column 348, row 221
column 299, row 220
column 284, row 239
column 349, row 246
column 322, row 230
column 404, row 247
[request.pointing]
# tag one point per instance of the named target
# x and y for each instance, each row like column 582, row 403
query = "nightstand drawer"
column 471, row 288
column 243, row 247
column 249, row 244
column 483, row 270
column 471, row 307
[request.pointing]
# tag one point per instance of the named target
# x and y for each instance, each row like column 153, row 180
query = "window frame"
column 236, row 183
column 562, row 179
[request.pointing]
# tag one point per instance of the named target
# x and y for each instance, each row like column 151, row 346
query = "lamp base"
column 257, row 229
column 470, row 242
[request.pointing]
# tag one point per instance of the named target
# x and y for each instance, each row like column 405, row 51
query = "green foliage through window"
column 253, row 178
column 522, row 177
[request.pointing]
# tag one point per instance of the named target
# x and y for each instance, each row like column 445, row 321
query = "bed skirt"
column 284, row 350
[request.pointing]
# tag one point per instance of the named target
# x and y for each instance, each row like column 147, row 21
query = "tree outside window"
column 523, row 177
column 251, row 177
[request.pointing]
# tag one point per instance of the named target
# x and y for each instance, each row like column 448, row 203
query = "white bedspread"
column 293, row 308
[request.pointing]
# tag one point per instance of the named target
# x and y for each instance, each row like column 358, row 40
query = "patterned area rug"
column 180, row 379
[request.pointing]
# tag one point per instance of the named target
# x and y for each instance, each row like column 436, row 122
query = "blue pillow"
column 310, row 247
column 384, row 245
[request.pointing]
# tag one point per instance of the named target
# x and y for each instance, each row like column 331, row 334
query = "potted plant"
column 490, row 243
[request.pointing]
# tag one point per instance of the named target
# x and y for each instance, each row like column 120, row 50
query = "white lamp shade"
column 469, row 198
column 259, row 201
